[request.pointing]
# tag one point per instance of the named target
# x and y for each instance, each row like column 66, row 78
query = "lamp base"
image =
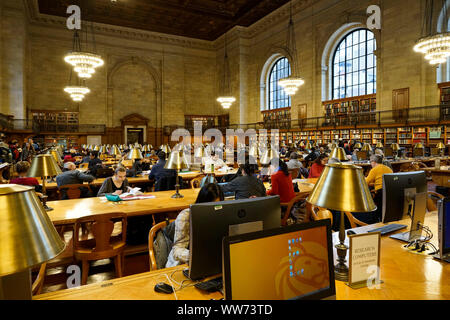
column 341, row 272
column 177, row 195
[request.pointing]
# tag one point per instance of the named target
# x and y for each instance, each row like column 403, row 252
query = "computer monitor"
column 419, row 152
column 417, row 219
column 294, row 262
column 398, row 193
column 210, row 222
column 388, row 152
column 444, row 230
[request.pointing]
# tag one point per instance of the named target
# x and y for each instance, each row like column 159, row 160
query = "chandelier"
column 77, row 93
column 293, row 82
column 435, row 47
column 84, row 63
column 226, row 99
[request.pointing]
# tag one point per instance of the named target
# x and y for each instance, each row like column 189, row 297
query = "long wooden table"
column 439, row 176
column 406, row 276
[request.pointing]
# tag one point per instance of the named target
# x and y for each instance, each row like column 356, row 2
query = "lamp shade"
column 342, row 187
column 339, row 153
column 333, row 146
column 114, row 151
column 302, row 144
column 440, row 145
column 357, row 145
column 146, row 148
column 27, row 235
column 254, row 151
column 44, row 165
column 308, row 145
column 56, row 156
column 268, row 155
column 135, row 153
column 102, row 149
column 366, row 147
column 395, row 147
column 199, row 152
column 379, row 145
column 419, row 145
column 176, row 161
column 96, row 148
column 165, row 148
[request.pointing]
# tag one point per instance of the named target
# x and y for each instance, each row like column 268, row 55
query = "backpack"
column 162, row 245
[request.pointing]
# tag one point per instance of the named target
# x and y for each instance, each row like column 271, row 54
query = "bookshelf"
column 206, row 120
column 391, row 136
column 343, row 112
column 444, row 100
column 55, row 121
column 378, row 136
column 277, row 119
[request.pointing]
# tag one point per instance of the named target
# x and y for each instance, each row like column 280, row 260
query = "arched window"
column 277, row 97
column 354, row 70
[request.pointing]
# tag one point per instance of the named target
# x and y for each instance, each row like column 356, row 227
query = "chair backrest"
column 127, row 163
column 196, row 182
column 166, row 183
column 104, row 172
column 38, row 283
column 102, row 228
column 353, row 221
column 71, row 191
column 362, row 155
column 318, row 213
column 151, row 238
column 294, row 172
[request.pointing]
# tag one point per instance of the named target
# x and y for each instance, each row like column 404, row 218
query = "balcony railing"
column 35, row 127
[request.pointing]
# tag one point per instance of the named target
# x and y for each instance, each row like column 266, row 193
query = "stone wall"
column 164, row 77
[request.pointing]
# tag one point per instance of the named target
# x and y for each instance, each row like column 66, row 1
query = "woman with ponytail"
column 281, row 182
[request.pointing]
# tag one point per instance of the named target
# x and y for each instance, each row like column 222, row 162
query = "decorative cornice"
column 36, row 18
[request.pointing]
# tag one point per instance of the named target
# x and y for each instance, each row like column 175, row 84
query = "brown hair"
column 22, row 166
column 120, row 169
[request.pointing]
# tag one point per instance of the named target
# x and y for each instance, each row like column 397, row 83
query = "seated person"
column 281, row 183
column 73, row 176
column 246, row 185
column 180, row 252
column 115, row 185
column 158, row 169
column 293, row 162
column 68, row 158
column 94, row 163
column 318, row 166
column 22, row 168
column 86, row 158
column 375, row 178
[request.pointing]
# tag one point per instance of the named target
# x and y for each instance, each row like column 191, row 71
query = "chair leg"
column 118, row 266
column 84, row 272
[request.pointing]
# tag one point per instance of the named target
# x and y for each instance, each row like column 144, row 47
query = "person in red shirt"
column 318, row 166
column 22, row 168
column 282, row 183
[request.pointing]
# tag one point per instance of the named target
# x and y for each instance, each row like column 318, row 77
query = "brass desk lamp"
column 339, row 154
column 342, row 187
column 28, row 239
column 43, row 166
column 177, row 162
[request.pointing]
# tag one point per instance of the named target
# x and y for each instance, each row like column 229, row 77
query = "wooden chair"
column 151, row 237
column 294, row 173
column 78, row 158
column 72, row 191
column 353, row 221
column 319, row 213
column 38, row 283
column 431, row 205
column 289, row 206
column 102, row 245
column 195, row 183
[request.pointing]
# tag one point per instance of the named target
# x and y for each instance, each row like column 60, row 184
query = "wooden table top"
column 67, row 211
column 406, row 276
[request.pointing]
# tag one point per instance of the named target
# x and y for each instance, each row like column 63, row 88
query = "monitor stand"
column 445, row 258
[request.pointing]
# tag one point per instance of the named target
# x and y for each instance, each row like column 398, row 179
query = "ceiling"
column 200, row 19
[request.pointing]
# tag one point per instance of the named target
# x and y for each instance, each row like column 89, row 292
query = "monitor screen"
column 294, row 262
column 446, row 229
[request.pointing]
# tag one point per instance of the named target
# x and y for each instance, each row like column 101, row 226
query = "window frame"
column 279, row 98
column 345, row 74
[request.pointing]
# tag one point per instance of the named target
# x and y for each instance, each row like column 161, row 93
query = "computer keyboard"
column 388, row 228
column 210, row 285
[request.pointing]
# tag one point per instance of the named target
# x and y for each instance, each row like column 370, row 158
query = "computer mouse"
column 163, row 288
column 350, row 232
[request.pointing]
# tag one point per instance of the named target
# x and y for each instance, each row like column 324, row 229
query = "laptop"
column 287, row 263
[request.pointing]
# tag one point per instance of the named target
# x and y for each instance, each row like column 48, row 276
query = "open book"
column 134, row 194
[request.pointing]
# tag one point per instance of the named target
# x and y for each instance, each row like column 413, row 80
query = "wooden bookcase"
column 343, row 112
column 444, row 100
column 277, row 119
column 55, row 121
